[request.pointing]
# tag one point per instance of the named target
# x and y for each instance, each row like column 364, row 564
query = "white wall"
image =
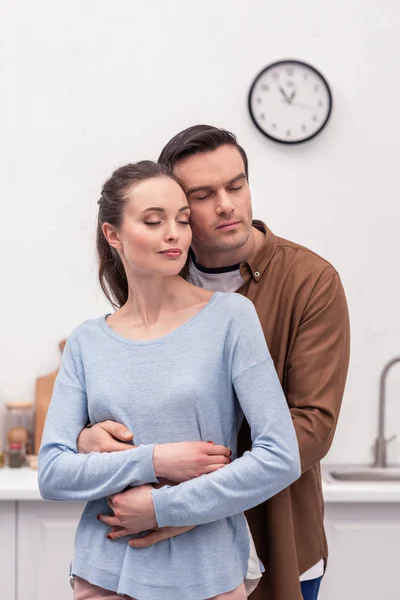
column 88, row 85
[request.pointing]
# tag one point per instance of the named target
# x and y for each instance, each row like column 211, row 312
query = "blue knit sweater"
column 195, row 383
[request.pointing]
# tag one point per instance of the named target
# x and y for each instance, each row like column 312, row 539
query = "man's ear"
column 112, row 236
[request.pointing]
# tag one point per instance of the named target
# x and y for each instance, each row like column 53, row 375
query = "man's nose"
column 224, row 204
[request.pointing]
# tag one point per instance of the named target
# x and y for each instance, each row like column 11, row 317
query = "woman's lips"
column 172, row 252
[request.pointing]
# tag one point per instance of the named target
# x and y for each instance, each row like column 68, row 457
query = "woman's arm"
column 273, row 462
column 64, row 474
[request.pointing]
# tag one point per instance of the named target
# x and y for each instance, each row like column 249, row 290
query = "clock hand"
column 284, row 94
column 306, row 106
column 292, row 95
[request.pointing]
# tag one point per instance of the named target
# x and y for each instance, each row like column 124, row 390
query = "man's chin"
column 230, row 242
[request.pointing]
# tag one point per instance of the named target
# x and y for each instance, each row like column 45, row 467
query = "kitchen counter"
column 21, row 484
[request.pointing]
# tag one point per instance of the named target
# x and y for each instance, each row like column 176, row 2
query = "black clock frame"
column 302, row 64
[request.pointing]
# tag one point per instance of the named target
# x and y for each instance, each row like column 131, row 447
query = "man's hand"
column 181, row 461
column 164, row 533
column 103, row 437
column 133, row 510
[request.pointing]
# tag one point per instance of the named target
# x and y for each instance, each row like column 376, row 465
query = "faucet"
column 381, row 442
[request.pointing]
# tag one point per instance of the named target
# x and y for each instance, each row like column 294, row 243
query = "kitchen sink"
column 365, row 474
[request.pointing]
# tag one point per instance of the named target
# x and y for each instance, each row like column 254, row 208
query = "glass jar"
column 18, row 423
column 16, row 457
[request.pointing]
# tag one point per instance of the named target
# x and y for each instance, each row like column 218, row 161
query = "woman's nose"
column 172, row 233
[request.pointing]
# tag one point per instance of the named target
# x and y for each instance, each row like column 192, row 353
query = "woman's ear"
column 112, row 236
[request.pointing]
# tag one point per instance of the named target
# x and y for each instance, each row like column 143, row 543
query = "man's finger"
column 213, row 449
column 157, row 535
column 117, row 430
column 110, row 520
column 212, row 468
column 115, row 446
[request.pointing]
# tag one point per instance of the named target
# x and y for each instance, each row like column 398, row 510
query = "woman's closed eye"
column 159, row 223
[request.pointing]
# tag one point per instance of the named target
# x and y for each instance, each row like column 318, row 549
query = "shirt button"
column 257, row 274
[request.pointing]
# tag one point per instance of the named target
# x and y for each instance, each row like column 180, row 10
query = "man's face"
column 219, row 198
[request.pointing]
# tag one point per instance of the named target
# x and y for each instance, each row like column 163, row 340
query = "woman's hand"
column 181, row 461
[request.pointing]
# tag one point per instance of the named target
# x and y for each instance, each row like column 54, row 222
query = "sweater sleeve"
column 64, row 474
column 273, row 462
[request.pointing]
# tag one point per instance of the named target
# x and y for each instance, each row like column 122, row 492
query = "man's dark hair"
column 199, row 138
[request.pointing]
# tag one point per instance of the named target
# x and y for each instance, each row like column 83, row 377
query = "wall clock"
column 290, row 101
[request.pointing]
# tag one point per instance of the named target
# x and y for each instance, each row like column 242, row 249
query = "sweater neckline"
column 159, row 340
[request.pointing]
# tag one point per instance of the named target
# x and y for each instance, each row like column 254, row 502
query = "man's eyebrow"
column 159, row 209
column 203, row 188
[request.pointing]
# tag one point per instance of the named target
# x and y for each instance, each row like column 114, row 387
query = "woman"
column 175, row 362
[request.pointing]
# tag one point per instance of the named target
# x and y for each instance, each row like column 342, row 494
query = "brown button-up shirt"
column 302, row 307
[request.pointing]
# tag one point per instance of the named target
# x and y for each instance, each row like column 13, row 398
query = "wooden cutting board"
column 43, row 393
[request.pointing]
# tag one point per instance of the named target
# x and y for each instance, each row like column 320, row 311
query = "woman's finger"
column 117, row 532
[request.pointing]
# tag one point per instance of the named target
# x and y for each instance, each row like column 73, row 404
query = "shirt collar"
column 256, row 265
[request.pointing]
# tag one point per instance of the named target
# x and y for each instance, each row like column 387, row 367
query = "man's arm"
column 317, row 369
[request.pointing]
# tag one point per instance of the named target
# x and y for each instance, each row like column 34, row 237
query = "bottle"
column 18, row 422
column 1, row 458
column 16, row 456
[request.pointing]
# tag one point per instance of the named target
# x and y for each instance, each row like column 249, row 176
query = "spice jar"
column 16, row 457
column 18, row 422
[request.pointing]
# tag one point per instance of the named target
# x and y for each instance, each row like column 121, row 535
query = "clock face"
column 290, row 101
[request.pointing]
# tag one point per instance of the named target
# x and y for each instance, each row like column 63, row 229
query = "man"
column 301, row 304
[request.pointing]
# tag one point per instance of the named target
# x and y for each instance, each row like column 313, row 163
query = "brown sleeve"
column 317, row 369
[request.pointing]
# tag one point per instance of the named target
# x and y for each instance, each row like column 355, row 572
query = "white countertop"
column 21, row 484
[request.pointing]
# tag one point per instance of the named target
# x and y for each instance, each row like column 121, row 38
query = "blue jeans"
column 310, row 588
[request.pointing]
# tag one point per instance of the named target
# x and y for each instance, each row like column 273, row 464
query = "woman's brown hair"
column 112, row 276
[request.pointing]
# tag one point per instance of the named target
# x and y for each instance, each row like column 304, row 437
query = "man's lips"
column 228, row 224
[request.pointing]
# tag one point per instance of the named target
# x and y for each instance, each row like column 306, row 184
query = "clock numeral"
column 262, row 116
column 276, row 75
column 316, row 88
column 314, row 117
column 288, row 133
column 303, row 128
column 274, row 126
column 320, row 103
column 265, row 87
column 290, row 71
column 259, row 100
column 305, row 75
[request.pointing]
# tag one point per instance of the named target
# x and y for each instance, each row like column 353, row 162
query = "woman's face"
column 155, row 235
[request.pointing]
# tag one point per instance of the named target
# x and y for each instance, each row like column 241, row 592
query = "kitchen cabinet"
column 364, row 544
column 45, row 540
column 7, row 550
column 362, row 524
